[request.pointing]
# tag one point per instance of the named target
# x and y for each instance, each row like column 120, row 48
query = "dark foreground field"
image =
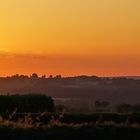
column 89, row 132
column 35, row 117
column 71, row 127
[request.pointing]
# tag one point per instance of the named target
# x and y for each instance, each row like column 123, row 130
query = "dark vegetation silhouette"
column 35, row 116
column 30, row 103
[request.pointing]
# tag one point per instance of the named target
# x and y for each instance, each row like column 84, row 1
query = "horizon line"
column 64, row 76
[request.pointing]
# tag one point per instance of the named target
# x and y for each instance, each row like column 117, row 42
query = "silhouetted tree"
column 34, row 76
column 124, row 108
column 43, row 76
column 58, row 76
column 51, row 76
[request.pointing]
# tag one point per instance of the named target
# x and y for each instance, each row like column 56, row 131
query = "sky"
column 70, row 37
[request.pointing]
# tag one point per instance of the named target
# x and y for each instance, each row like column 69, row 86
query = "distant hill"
column 134, row 77
column 113, row 89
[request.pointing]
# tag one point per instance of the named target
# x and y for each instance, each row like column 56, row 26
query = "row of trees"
column 122, row 108
column 33, row 76
column 101, row 107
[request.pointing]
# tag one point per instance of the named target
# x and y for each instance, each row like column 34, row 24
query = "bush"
column 32, row 103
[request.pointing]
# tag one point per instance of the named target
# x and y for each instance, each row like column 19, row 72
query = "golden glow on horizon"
column 96, row 33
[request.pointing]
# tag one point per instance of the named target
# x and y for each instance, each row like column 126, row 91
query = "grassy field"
column 66, row 127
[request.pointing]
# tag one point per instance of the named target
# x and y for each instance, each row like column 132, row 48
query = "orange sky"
column 70, row 37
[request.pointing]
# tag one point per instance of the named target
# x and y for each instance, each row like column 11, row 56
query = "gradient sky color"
column 70, row 37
